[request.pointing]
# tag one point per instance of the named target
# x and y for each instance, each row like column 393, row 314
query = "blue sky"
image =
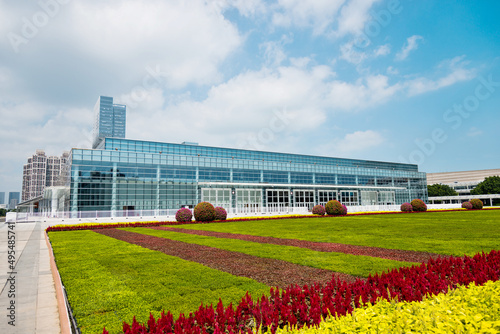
column 404, row 81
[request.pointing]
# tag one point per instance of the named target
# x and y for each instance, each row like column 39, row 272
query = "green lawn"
column 451, row 233
column 339, row 262
column 108, row 281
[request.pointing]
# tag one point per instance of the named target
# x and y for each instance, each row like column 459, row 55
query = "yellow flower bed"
column 472, row 309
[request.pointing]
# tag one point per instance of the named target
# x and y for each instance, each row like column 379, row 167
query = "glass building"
column 128, row 174
column 109, row 121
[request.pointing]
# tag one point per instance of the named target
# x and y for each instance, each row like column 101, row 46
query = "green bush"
column 418, row 205
column 204, row 212
column 406, row 207
column 184, row 215
column 220, row 213
column 467, row 205
column 334, row 208
column 477, row 204
column 318, row 210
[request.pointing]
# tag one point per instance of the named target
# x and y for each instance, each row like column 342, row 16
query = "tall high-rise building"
column 40, row 172
column 2, row 198
column 14, row 197
column 109, row 120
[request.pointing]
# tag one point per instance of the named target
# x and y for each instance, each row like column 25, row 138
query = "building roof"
column 459, row 177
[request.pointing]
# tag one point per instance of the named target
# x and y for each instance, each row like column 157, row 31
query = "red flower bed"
column 384, row 253
column 305, row 306
column 271, row 272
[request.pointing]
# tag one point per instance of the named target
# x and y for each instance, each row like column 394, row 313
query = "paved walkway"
column 31, row 282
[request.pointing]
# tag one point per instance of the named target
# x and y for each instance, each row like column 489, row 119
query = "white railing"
column 372, row 208
column 169, row 215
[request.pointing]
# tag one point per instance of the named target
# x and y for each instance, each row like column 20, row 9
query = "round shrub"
column 406, row 207
column 418, row 205
column 220, row 213
column 204, row 212
column 184, row 215
column 334, row 208
column 477, row 204
column 318, row 210
column 467, row 205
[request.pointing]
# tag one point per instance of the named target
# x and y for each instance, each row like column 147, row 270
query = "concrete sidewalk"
column 34, row 308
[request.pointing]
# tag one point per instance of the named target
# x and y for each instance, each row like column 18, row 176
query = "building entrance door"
column 304, row 199
column 278, row 200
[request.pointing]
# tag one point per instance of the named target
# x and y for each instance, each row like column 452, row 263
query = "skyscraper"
column 2, row 197
column 40, row 172
column 109, row 120
column 14, row 197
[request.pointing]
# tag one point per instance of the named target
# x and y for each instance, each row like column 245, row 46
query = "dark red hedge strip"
column 139, row 224
column 305, row 306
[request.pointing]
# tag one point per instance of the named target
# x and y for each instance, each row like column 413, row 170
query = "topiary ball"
column 477, row 204
column 467, row 205
column 344, row 210
column 184, row 215
column 418, row 205
column 318, row 210
column 406, row 207
column 204, row 212
column 220, row 213
column 334, row 208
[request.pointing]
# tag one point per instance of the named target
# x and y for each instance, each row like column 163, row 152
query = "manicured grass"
column 339, row 262
column 451, row 233
column 109, row 281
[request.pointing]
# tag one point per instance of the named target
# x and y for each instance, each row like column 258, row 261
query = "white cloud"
column 456, row 72
column 352, row 54
column 371, row 91
column 393, row 71
column 116, row 41
column 474, row 132
column 360, row 141
column 274, row 50
column 352, row 144
column 411, row 45
column 186, row 40
column 354, row 16
column 382, row 50
column 317, row 14
column 247, row 8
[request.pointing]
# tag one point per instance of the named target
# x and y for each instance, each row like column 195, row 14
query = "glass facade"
column 139, row 175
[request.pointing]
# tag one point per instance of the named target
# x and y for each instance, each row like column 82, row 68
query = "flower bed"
column 309, row 304
column 467, row 309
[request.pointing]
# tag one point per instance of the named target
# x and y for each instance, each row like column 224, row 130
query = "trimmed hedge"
column 406, row 207
column 318, row 210
column 220, row 213
column 204, row 212
column 184, row 215
column 418, row 205
column 334, row 208
column 467, row 309
column 308, row 305
column 477, row 204
column 467, row 205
